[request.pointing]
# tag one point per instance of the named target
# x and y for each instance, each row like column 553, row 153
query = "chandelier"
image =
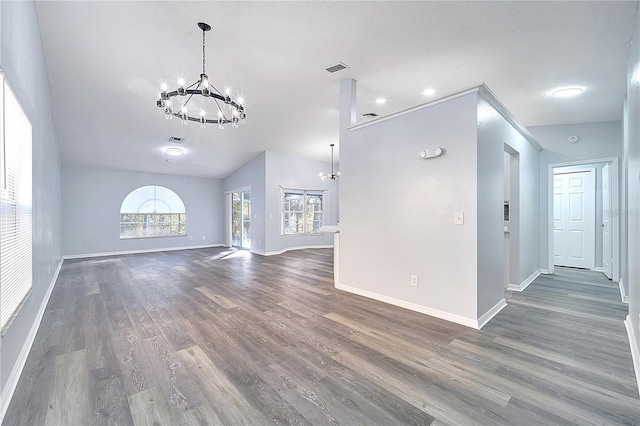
column 332, row 176
column 176, row 103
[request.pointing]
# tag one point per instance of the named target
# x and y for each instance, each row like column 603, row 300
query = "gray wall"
column 632, row 190
column 264, row 175
column 293, row 172
column 91, row 200
column 597, row 140
column 22, row 61
column 396, row 211
column 252, row 175
column 493, row 132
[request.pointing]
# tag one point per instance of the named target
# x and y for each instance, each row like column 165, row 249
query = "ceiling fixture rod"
column 332, row 176
column 202, row 87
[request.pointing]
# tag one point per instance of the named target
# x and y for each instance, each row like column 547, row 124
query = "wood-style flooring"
column 217, row 336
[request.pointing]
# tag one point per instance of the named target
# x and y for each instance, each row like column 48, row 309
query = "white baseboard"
column 524, row 284
column 599, row 269
column 273, row 253
column 484, row 319
column 635, row 351
column 623, row 295
column 469, row 322
column 12, row 382
column 545, row 272
column 117, row 253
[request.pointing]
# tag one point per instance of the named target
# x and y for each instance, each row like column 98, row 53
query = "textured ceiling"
column 106, row 60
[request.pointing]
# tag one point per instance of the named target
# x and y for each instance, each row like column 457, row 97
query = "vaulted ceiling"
column 106, row 61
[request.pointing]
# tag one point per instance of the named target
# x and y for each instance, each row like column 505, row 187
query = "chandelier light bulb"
column 164, row 86
column 180, row 82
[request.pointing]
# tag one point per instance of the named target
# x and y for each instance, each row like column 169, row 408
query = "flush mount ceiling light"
column 381, row 101
column 174, row 152
column 429, row 92
column 332, row 176
column 567, row 92
column 178, row 103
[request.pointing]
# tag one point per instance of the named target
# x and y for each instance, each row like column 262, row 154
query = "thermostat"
column 430, row 153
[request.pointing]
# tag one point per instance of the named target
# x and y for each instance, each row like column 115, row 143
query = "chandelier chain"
column 203, row 52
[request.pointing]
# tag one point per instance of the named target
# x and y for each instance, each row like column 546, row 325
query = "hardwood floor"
column 217, row 336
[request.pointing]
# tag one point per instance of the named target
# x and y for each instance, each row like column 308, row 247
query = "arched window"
column 152, row 211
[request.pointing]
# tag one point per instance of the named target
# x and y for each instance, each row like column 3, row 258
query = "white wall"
column 632, row 190
column 396, row 211
column 293, row 172
column 597, row 140
column 91, row 200
column 250, row 176
column 22, row 61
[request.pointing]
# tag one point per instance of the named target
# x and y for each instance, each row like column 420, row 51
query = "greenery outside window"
column 152, row 211
column 302, row 211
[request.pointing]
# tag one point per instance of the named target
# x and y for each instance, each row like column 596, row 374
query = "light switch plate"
column 458, row 218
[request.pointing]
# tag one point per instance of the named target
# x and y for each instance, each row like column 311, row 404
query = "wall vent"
column 336, row 67
column 175, row 139
column 370, row 114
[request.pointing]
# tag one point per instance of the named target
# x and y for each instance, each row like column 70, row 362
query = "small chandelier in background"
column 176, row 103
column 332, row 176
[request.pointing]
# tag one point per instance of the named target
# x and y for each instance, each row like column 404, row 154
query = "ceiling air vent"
column 370, row 114
column 336, row 67
column 175, row 139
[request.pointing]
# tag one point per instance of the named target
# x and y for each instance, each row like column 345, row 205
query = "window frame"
column 306, row 194
column 16, row 225
column 154, row 221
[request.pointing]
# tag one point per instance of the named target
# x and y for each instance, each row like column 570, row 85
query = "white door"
column 574, row 219
column 606, row 221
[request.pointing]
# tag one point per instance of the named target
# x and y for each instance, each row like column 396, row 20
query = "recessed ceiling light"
column 174, row 152
column 429, row 92
column 567, row 92
column 381, row 101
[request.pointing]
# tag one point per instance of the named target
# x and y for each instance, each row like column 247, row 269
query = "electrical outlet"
column 414, row 280
column 191, row 238
column 203, row 238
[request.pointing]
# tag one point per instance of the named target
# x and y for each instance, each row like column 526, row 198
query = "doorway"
column 511, row 173
column 606, row 223
column 574, row 216
column 241, row 219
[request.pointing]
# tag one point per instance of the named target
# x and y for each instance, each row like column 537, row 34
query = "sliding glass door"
column 241, row 219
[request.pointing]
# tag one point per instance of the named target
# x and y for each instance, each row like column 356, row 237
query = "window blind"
column 16, row 206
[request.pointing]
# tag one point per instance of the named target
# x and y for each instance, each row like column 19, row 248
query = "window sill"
column 153, row 236
column 315, row 234
column 15, row 314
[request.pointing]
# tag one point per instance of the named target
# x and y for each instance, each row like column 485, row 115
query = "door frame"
column 604, row 215
column 229, row 212
column 615, row 206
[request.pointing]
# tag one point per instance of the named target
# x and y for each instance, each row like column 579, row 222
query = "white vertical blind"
column 16, row 206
